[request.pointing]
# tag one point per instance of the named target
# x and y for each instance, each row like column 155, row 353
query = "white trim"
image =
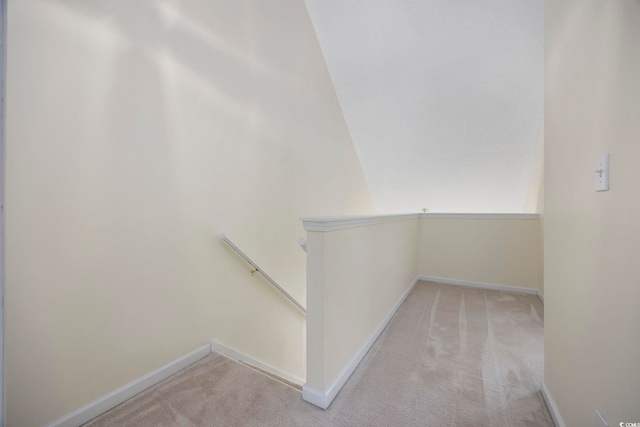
column 551, row 405
column 482, row 285
column 540, row 295
column 315, row 397
column 127, row 391
column 343, row 222
column 324, row 399
column 478, row 215
column 333, row 223
column 601, row 421
column 236, row 355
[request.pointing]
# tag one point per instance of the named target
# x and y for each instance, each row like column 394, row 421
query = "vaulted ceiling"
column 443, row 99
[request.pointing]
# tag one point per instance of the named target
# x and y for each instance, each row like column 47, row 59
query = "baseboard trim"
column 540, row 295
column 236, row 355
column 127, row 391
column 315, row 397
column 481, row 285
column 324, row 399
column 551, row 405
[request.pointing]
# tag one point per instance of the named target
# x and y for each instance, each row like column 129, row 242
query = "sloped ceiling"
column 443, row 99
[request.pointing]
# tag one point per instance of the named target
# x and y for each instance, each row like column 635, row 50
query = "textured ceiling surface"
column 443, row 99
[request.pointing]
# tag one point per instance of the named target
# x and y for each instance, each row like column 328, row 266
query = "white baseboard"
column 481, row 285
column 315, row 397
column 551, row 405
column 324, row 399
column 236, row 355
column 540, row 295
column 127, row 391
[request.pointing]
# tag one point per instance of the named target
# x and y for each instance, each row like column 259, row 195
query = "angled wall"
column 592, row 239
column 136, row 133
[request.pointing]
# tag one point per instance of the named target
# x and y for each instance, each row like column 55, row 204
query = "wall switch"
column 602, row 173
column 600, row 421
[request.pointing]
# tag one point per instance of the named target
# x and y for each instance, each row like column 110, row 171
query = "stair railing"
column 261, row 271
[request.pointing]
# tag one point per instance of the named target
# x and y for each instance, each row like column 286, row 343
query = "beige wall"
column 592, row 239
column 494, row 251
column 136, row 132
column 534, row 202
column 541, row 252
column 534, row 199
column 356, row 276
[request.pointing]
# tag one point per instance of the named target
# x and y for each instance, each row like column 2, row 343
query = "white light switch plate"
column 602, row 173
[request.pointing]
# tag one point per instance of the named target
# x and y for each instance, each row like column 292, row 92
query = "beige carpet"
column 451, row 356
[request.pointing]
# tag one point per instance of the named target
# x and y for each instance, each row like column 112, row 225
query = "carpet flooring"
column 451, row 356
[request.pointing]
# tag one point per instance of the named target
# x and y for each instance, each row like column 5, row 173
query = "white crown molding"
column 521, row 216
column 323, row 399
column 540, row 295
column 127, row 391
column 344, row 222
column 551, row 405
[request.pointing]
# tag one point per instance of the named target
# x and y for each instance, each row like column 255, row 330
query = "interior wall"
column 3, row 52
column 534, row 202
column 494, row 251
column 541, row 248
column 535, row 190
column 592, row 239
column 136, row 133
column 356, row 276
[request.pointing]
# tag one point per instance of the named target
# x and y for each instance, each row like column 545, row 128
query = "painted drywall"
column 592, row 239
column 534, row 202
column 443, row 99
column 535, row 190
column 136, row 133
column 494, row 251
column 541, row 249
column 355, row 276
column 3, row 52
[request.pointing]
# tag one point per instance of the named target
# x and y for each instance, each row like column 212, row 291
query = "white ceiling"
column 444, row 99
